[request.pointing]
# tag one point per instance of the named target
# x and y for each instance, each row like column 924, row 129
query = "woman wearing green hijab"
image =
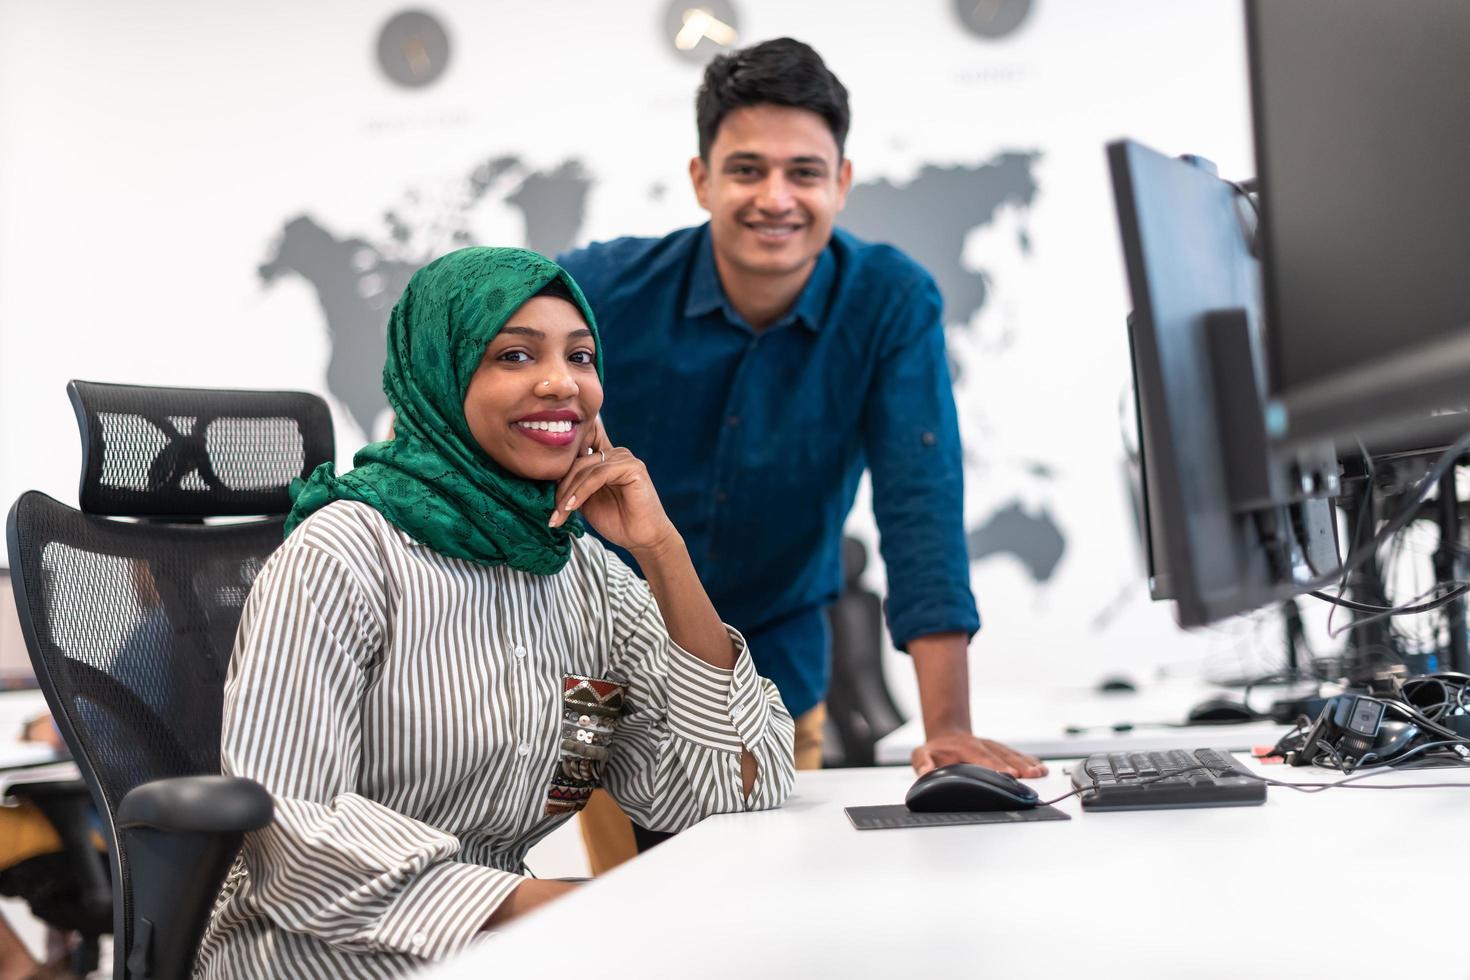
column 438, row 666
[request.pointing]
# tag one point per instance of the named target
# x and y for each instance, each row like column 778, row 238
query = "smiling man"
column 757, row 365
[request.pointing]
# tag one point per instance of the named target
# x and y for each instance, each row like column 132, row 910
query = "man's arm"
column 941, row 662
column 913, row 445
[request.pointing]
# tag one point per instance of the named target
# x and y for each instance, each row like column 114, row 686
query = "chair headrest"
column 195, row 452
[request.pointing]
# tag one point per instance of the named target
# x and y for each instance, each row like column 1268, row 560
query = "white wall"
column 151, row 155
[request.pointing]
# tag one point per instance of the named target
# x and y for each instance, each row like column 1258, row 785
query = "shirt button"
column 721, row 496
column 520, row 653
column 524, row 749
column 732, row 420
column 928, row 439
column 418, row 939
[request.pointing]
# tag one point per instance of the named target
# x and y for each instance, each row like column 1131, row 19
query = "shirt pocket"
column 590, row 708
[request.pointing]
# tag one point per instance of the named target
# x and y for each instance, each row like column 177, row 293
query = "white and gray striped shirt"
column 405, row 711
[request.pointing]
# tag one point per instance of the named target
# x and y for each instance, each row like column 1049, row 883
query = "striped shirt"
column 405, row 710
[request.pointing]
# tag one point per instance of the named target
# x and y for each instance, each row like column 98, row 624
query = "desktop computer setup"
column 1301, row 352
column 1301, row 348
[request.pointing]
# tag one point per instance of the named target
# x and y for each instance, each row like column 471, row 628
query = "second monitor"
column 1231, row 523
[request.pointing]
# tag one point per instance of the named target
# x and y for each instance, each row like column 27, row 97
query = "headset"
column 1424, row 716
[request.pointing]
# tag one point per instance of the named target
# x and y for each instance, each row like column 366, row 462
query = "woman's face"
column 535, row 395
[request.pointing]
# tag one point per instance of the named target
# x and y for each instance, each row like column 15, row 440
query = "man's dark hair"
column 780, row 72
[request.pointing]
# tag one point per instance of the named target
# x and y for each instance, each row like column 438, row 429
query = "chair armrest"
column 197, row 804
column 180, row 836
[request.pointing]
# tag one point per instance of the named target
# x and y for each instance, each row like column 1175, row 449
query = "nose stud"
column 546, row 384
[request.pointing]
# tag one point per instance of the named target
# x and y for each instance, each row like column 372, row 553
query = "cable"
column 1297, row 521
column 1365, row 512
column 1294, row 740
column 1417, row 750
column 1377, row 770
column 1460, row 588
column 1096, row 785
column 1451, row 689
column 1415, row 607
column 1063, row 796
column 1348, row 782
column 1360, row 554
column 1337, row 759
column 1423, row 720
column 1320, row 787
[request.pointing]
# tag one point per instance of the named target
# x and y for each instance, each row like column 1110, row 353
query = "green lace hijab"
column 432, row 480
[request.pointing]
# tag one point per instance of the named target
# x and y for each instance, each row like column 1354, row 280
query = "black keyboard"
column 1165, row 780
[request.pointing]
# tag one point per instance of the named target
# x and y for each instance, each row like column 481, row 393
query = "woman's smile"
column 556, row 428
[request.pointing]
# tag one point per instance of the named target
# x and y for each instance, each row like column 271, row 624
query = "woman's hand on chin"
column 612, row 489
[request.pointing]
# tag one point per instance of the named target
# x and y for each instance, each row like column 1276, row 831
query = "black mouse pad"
column 893, row 817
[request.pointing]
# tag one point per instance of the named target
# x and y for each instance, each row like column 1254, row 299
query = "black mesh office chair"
column 860, row 711
column 130, row 623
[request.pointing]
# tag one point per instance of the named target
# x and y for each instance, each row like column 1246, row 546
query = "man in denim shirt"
column 757, row 365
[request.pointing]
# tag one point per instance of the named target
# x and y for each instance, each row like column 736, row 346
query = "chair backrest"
column 130, row 623
column 860, row 710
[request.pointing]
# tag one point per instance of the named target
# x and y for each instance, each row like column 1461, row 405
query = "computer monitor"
column 1333, row 315
column 1362, row 137
column 1231, row 523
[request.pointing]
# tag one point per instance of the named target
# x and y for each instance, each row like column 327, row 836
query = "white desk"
column 1304, row 886
column 1033, row 718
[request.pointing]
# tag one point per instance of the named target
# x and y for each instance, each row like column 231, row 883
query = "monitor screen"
column 1362, row 143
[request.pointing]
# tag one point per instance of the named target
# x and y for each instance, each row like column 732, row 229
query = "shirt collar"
column 706, row 295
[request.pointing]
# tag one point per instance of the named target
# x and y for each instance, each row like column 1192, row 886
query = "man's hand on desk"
column 965, row 747
column 941, row 664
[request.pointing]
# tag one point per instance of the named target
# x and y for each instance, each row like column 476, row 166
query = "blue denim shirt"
column 756, row 442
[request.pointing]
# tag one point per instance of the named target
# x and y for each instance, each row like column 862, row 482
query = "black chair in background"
column 69, row 889
column 860, row 711
column 129, row 609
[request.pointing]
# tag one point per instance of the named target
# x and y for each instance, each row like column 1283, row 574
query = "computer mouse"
column 1116, row 683
column 965, row 788
column 1220, row 711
